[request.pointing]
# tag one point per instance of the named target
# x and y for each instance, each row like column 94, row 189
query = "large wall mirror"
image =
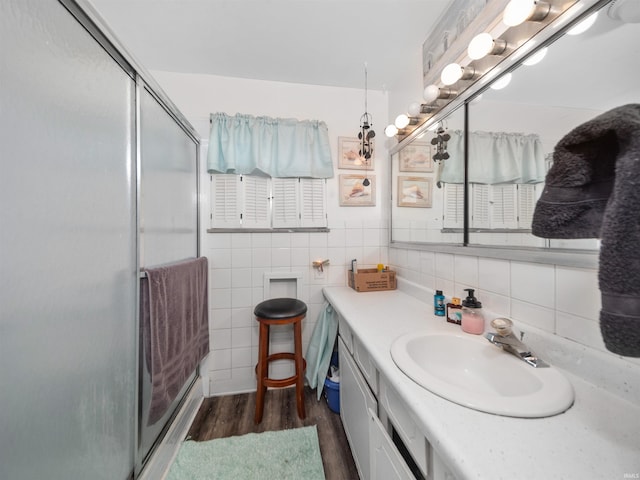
column 424, row 209
column 511, row 135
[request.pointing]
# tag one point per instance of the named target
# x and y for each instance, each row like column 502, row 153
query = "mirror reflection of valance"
column 276, row 147
column 495, row 157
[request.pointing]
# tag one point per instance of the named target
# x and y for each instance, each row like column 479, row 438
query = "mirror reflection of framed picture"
column 416, row 157
column 353, row 192
column 349, row 157
column 414, row 191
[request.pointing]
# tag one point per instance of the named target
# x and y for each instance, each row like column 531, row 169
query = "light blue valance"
column 495, row 157
column 276, row 147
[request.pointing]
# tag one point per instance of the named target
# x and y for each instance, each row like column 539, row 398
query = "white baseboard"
column 232, row 387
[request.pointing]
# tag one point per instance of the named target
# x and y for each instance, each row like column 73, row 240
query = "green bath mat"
column 286, row 454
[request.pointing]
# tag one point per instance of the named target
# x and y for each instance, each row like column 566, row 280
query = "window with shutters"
column 503, row 206
column 480, row 206
column 492, row 207
column 255, row 202
column 453, row 214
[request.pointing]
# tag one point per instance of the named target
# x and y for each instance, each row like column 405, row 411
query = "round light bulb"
column 414, row 109
column 536, row 57
column 431, row 93
column 584, row 25
column 391, row 131
column 401, row 121
column 480, row 46
column 502, row 82
column 517, row 12
column 451, row 74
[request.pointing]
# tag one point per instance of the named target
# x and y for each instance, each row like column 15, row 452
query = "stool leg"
column 262, row 370
column 297, row 333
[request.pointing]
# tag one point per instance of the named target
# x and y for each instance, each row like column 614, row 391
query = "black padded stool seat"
column 278, row 308
column 280, row 311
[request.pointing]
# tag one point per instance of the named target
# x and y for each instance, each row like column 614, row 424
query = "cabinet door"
column 386, row 462
column 355, row 401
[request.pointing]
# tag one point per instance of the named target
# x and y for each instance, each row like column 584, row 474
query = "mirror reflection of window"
column 424, row 208
column 513, row 132
column 580, row 77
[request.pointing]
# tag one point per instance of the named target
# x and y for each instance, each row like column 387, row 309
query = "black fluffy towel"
column 593, row 191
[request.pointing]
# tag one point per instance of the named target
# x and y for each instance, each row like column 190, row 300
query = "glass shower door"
column 67, row 250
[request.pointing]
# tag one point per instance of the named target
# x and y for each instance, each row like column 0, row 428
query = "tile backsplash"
column 238, row 263
column 564, row 301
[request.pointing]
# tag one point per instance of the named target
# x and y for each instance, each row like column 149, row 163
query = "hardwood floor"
column 231, row 415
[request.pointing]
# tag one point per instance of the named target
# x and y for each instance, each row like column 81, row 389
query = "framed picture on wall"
column 416, row 157
column 348, row 156
column 353, row 192
column 414, row 191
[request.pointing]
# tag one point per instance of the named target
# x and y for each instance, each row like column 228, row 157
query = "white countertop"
column 597, row 438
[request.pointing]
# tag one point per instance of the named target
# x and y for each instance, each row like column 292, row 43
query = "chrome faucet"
column 504, row 337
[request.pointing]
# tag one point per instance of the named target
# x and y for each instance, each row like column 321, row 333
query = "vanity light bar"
column 485, row 44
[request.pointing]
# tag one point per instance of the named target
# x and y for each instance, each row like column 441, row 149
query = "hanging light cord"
column 366, row 133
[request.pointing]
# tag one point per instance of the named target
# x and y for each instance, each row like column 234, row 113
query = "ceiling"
column 316, row 42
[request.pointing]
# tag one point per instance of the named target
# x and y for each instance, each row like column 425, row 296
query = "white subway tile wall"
column 238, row 262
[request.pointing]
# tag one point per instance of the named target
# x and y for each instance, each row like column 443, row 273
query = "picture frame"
column 415, row 191
column 353, row 192
column 416, row 157
column 348, row 157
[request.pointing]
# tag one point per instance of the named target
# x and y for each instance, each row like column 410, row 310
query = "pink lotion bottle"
column 472, row 318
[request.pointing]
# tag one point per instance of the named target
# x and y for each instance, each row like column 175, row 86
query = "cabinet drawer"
column 398, row 414
column 345, row 333
column 367, row 367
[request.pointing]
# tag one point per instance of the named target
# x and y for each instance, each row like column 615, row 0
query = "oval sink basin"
column 470, row 371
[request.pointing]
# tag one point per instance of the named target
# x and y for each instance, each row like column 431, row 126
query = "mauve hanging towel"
column 593, row 191
column 175, row 327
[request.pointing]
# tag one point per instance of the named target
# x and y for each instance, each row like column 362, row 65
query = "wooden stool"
column 280, row 311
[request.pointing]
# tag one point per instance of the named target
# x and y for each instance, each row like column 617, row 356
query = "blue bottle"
column 438, row 304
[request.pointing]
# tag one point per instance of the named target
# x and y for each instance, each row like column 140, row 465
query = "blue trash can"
column 332, row 392
column 331, row 388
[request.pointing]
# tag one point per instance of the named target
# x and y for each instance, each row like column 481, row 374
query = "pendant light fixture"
column 366, row 133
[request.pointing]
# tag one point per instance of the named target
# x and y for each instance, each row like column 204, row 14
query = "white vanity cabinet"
column 372, row 413
column 356, row 400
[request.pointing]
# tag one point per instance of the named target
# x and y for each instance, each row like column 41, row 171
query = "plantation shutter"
column 249, row 201
column 480, row 206
column 313, row 211
column 453, row 207
column 225, row 207
column 504, row 206
column 255, row 202
column 526, row 205
column 285, row 202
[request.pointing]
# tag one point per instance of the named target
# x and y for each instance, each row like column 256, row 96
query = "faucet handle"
column 502, row 326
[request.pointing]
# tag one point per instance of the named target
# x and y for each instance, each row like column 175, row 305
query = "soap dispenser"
column 472, row 317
